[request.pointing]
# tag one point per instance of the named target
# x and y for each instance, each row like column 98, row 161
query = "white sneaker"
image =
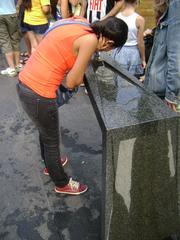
column 9, row 71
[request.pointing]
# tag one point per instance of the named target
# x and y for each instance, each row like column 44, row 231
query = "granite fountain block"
column 140, row 178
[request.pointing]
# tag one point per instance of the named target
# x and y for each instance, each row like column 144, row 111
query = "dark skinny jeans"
column 44, row 114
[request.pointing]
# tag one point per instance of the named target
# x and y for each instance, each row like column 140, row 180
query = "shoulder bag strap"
column 65, row 22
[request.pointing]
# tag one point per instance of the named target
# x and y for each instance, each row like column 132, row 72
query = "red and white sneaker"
column 63, row 159
column 72, row 188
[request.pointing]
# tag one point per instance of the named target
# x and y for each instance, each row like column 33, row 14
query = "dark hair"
column 53, row 8
column 112, row 28
column 27, row 4
column 160, row 7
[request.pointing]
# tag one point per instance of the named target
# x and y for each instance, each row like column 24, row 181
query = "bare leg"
column 16, row 58
column 10, row 59
column 39, row 37
column 33, row 40
column 28, row 43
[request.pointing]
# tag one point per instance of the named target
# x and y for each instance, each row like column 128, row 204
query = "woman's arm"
column 117, row 7
column 140, row 22
column 46, row 6
column 18, row 4
column 64, row 8
column 46, row 9
column 83, row 8
column 85, row 47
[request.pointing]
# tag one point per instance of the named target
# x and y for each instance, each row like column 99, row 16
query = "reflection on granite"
column 140, row 156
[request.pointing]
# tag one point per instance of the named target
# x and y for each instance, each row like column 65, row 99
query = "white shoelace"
column 73, row 184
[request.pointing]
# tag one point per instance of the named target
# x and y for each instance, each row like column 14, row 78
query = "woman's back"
column 132, row 28
column 132, row 55
column 53, row 57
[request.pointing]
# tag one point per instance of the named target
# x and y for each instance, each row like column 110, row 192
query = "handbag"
column 148, row 43
column 64, row 95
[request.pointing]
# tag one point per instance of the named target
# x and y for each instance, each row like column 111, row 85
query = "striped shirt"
column 97, row 9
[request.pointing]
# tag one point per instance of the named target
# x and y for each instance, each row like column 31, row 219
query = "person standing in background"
column 55, row 13
column 35, row 20
column 71, row 8
column 100, row 9
column 132, row 55
column 10, row 37
column 163, row 68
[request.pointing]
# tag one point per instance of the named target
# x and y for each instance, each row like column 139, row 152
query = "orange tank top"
column 52, row 60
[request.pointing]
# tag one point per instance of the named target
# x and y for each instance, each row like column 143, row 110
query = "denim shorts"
column 37, row 29
column 129, row 58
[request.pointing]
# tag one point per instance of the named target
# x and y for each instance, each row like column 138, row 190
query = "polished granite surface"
column 140, row 156
column 116, row 93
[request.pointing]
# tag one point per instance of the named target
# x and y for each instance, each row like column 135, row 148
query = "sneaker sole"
column 10, row 75
column 47, row 174
column 14, row 75
column 69, row 193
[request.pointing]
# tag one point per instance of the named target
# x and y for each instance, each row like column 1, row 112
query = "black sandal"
column 23, row 61
column 24, row 54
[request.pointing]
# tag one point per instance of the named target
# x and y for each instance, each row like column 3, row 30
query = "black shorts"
column 37, row 29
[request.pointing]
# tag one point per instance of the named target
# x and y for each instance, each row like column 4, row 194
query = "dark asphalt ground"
column 29, row 208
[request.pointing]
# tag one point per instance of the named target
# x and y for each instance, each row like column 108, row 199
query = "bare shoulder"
column 86, row 43
column 88, row 40
column 140, row 21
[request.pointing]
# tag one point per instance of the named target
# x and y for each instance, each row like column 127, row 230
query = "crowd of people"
column 102, row 26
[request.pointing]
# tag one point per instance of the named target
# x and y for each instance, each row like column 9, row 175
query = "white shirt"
column 7, row 7
column 132, row 29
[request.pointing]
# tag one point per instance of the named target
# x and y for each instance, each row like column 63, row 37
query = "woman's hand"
column 143, row 64
column 148, row 32
column 171, row 105
column 46, row 9
column 101, row 42
column 104, row 44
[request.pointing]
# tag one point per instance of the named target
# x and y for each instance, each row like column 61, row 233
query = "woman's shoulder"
column 89, row 38
column 140, row 18
column 87, row 42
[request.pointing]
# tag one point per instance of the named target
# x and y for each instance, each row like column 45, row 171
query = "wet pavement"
column 30, row 209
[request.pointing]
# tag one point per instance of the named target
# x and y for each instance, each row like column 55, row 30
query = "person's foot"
column 72, row 188
column 24, row 54
column 19, row 67
column 63, row 159
column 23, row 61
column 9, row 71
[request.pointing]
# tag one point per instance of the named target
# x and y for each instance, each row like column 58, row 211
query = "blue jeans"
column 163, row 68
column 44, row 114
